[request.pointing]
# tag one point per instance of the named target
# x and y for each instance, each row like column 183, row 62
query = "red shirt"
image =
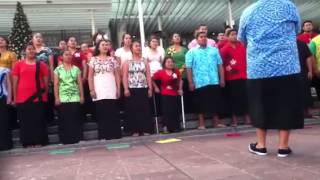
column 307, row 37
column 77, row 58
column 169, row 84
column 222, row 43
column 88, row 55
column 27, row 81
column 234, row 61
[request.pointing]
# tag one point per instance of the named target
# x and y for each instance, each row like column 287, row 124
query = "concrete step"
column 190, row 133
column 90, row 130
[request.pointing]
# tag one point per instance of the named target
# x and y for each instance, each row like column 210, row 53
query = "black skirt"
column 32, row 118
column 88, row 107
column 171, row 107
column 108, row 119
column 308, row 101
column 137, row 112
column 188, row 97
column 316, row 84
column 70, row 123
column 5, row 130
column 276, row 103
column 50, row 107
column 236, row 96
column 208, row 99
column 13, row 117
column 156, row 105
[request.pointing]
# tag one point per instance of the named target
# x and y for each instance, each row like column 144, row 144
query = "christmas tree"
column 21, row 32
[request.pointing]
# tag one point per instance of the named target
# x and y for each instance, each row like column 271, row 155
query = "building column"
column 160, row 28
column 230, row 20
column 93, row 22
column 141, row 25
column 121, row 29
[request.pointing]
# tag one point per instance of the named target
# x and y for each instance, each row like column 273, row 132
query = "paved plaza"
column 206, row 156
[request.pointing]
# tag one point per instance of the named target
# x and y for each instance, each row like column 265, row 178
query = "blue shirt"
column 204, row 63
column 3, row 81
column 269, row 28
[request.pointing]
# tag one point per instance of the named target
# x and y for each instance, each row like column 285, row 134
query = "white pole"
column 156, row 113
column 230, row 18
column 93, row 23
column 160, row 29
column 141, row 24
column 183, row 115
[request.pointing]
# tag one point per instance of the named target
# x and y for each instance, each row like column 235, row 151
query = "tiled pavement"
column 201, row 157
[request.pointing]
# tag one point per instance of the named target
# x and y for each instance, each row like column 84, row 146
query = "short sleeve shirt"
column 306, row 37
column 27, row 82
column 68, row 84
column 269, row 28
column 234, row 61
column 123, row 55
column 154, row 59
column 7, row 59
column 315, row 49
column 204, row 63
column 179, row 57
column 169, row 83
column 104, row 80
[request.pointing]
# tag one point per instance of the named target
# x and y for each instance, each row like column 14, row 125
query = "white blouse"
column 104, row 80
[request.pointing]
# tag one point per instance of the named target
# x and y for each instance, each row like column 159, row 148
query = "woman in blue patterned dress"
column 273, row 71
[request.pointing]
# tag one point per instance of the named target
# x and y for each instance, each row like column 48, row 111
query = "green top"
column 315, row 49
column 179, row 58
column 68, row 84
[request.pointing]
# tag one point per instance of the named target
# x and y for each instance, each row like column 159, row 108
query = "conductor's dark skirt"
column 276, row 103
column 138, row 114
column 32, row 118
column 70, row 123
column 208, row 99
column 236, row 96
column 5, row 130
column 108, row 119
column 171, row 112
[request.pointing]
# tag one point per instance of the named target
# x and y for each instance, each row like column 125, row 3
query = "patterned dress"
column 68, row 84
column 137, row 74
column 104, row 79
column 267, row 27
column 43, row 55
column 70, row 114
column 137, row 107
column 106, row 104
